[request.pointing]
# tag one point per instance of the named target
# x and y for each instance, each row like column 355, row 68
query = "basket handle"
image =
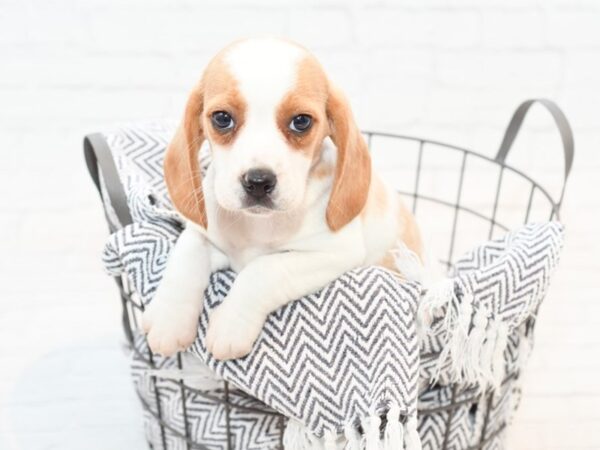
column 99, row 160
column 566, row 134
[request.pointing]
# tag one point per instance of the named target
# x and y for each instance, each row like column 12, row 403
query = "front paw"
column 232, row 330
column 170, row 327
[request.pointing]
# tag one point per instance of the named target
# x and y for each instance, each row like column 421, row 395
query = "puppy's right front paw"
column 170, row 327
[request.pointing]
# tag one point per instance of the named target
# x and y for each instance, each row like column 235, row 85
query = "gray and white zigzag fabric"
column 497, row 287
column 252, row 425
column 495, row 290
column 333, row 358
column 329, row 360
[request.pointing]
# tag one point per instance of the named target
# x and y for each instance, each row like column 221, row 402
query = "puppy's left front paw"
column 232, row 331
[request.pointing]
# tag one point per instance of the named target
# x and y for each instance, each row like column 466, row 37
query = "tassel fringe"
column 498, row 364
column 435, row 300
column 408, row 263
column 297, row 437
column 330, row 439
column 412, row 441
column 353, row 438
column 371, row 427
column 475, row 344
column 395, row 435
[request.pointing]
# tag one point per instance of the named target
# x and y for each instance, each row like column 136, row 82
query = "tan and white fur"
column 328, row 213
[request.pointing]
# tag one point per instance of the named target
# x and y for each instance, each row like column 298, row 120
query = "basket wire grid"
column 460, row 396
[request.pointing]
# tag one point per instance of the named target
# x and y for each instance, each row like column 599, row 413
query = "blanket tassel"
column 412, row 441
column 330, row 440
column 487, row 355
column 296, row 437
column 434, row 304
column 393, row 435
column 371, row 428
column 498, row 362
column 353, row 438
column 472, row 366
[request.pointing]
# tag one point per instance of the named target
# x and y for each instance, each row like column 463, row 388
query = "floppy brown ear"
column 353, row 167
column 182, row 171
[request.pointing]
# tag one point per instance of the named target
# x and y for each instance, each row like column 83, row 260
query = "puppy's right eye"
column 222, row 121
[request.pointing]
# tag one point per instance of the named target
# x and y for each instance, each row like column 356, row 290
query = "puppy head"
column 265, row 105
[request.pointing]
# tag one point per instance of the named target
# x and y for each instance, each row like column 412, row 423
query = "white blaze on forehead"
column 265, row 69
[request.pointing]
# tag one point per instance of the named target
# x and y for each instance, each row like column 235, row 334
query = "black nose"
column 259, row 182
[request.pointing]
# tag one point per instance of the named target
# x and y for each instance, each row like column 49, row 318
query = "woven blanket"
column 339, row 361
column 336, row 361
column 496, row 288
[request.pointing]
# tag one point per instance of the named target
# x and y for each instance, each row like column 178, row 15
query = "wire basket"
column 457, row 214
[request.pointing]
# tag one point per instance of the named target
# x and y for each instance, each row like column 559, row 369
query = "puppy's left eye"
column 300, row 123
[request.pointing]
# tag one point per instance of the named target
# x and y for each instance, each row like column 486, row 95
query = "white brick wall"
column 448, row 69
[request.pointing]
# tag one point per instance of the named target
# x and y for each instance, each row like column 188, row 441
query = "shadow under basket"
column 451, row 416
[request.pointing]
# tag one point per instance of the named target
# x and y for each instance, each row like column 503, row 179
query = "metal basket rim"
column 503, row 165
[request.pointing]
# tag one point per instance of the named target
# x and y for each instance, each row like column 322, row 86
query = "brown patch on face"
column 216, row 91
column 308, row 96
column 222, row 94
column 314, row 95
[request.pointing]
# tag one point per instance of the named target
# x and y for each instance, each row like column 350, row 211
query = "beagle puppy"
column 289, row 200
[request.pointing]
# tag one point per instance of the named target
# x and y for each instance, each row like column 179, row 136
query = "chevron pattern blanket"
column 343, row 364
